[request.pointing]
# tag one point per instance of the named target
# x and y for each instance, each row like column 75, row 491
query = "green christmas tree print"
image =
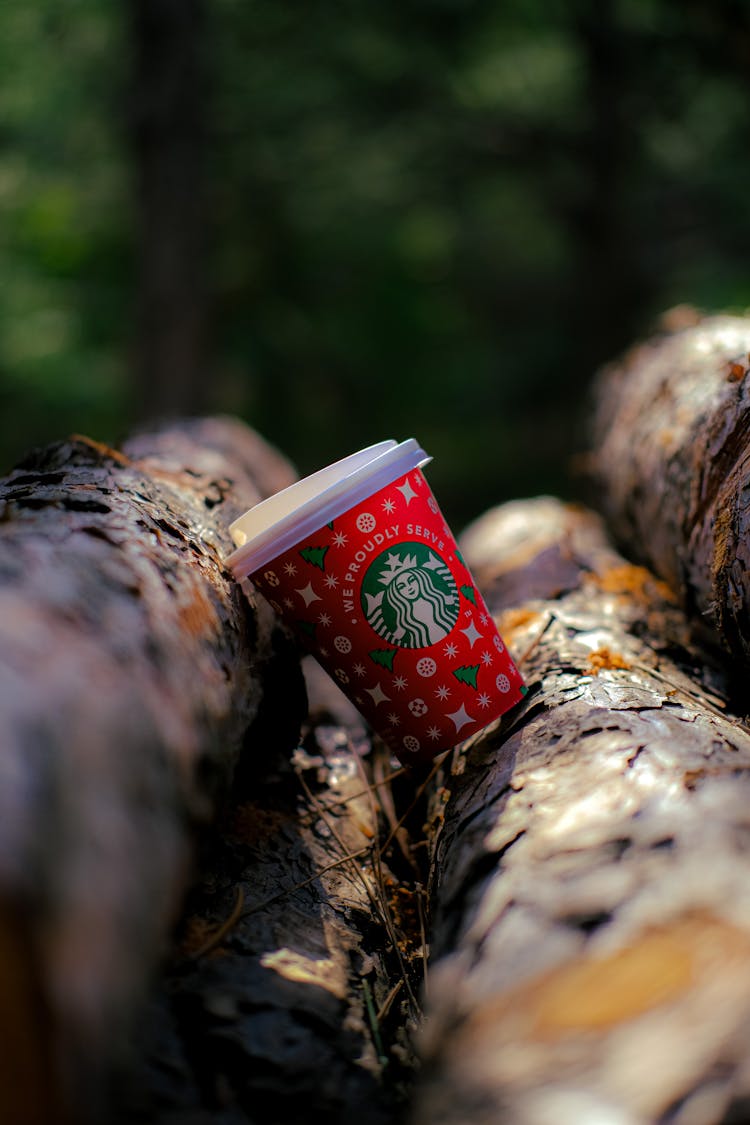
column 468, row 592
column 467, row 674
column 384, row 657
column 315, row 556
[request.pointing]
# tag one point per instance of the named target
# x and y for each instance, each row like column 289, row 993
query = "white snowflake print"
column 288, row 603
column 308, row 595
column 407, row 491
column 450, row 650
column 290, row 569
column 324, row 619
column 366, row 523
column 331, row 581
column 502, row 683
column 393, row 719
column 399, row 682
column 472, row 634
column 271, row 577
column 359, row 669
column 418, row 707
column 433, row 733
column 340, row 540
column 426, row 667
column 342, row 645
column 411, row 743
column 377, row 695
column 498, row 644
column 389, row 506
column 341, row 676
column 443, row 692
column 483, row 618
column 461, row 718
column 484, row 700
column 323, row 651
column 487, row 658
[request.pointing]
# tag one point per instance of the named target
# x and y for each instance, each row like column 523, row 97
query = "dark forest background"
column 345, row 221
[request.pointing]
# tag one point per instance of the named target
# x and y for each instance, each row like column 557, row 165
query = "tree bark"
column 591, row 931
column 292, row 988
column 131, row 667
column 670, row 459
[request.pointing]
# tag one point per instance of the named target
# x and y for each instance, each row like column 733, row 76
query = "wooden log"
column 293, row 984
column 591, row 907
column 131, row 667
column 670, row 459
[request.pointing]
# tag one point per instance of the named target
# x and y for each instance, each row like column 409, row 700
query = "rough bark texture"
column 131, row 667
column 591, row 929
column 672, row 461
column 292, row 986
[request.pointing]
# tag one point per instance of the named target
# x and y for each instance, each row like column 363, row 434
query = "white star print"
column 388, row 506
column 484, row 700
column 331, row 581
column 377, row 693
column 340, row 540
column 450, row 650
column 472, row 634
column 393, row 719
column 443, row 692
column 359, row 669
column 308, row 595
column 324, row 619
column 486, row 658
column 407, row 491
column 461, row 718
column 290, row 569
column 433, row 733
column 399, row 683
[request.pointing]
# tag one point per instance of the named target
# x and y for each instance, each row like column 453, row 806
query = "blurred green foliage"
column 64, row 287
column 427, row 217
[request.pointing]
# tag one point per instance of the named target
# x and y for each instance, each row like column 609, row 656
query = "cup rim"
column 270, row 528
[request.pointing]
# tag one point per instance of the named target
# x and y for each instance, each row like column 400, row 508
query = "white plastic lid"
column 276, row 524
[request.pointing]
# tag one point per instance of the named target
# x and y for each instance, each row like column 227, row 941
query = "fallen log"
column 131, row 667
column 671, row 458
column 591, row 907
column 292, row 990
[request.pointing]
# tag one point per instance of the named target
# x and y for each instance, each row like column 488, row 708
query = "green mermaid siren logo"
column 409, row 596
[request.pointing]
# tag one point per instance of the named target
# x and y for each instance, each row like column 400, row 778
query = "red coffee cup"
column 359, row 561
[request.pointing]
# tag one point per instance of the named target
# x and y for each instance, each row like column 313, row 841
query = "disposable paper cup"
column 359, row 561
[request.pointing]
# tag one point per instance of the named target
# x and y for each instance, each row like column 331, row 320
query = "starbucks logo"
column 409, row 596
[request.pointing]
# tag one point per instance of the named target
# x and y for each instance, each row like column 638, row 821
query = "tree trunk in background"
column 671, row 462
column 168, row 134
column 131, row 667
column 591, row 904
column 609, row 285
